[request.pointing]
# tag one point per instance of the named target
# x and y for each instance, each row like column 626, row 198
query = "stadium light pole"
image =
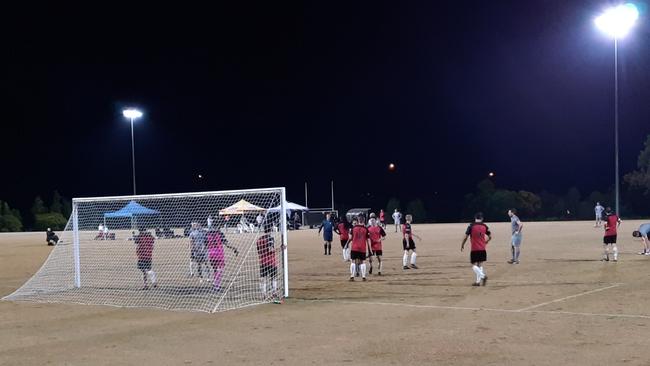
column 616, row 23
column 132, row 114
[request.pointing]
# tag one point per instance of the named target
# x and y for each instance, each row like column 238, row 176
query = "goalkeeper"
column 216, row 241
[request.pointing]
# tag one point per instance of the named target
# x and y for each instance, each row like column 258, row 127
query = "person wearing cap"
column 642, row 233
column 612, row 222
column 51, row 237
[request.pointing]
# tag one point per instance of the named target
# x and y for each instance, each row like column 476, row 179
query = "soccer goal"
column 172, row 251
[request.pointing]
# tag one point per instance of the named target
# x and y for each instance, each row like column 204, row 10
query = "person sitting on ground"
column 51, row 237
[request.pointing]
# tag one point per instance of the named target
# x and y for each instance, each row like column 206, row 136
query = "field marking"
column 569, row 297
column 462, row 308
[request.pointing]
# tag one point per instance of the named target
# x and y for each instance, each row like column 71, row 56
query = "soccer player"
column 343, row 230
column 611, row 224
column 397, row 219
column 480, row 236
column 599, row 214
column 515, row 241
column 198, row 250
column 360, row 244
column 328, row 228
column 268, row 262
column 144, row 250
column 216, row 255
column 408, row 243
column 376, row 234
column 642, row 233
column 382, row 219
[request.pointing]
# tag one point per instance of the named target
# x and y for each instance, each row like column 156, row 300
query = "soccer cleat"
column 351, row 279
column 414, row 266
column 511, row 261
column 642, row 253
column 484, row 280
column 606, row 259
column 406, row 267
column 370, row 270
column 364, row 278
column 516, row 262
column 647, row 253
column 476, row 284
column 145, row 287
column 378, row 273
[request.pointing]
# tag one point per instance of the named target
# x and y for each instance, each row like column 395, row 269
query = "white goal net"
column 207, row 251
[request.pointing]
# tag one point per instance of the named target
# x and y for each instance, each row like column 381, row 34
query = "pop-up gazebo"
column 132, row 211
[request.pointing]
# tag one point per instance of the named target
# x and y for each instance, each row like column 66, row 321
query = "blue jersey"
column 327, row 225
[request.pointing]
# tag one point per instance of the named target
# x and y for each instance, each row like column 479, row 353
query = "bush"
column 54, row 220
column 10, row 223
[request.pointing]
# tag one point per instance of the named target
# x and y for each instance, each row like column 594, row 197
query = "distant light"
column 132, row 113
column 616, row 22
column 200, row 176
column 491, row 174
column 391, row 166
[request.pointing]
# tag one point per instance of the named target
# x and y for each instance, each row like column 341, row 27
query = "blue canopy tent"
column 132, row 211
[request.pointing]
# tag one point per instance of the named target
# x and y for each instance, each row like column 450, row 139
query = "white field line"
column 569, row 297
column 599, row 315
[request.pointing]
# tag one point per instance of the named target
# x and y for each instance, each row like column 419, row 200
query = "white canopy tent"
column 290, row 206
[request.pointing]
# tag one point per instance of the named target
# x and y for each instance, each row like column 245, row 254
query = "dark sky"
column 279, row 93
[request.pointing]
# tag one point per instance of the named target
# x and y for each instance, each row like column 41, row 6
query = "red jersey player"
column 376, row 234
column 343, row 229
column 144, row 250
column 480, row 236
column 382, row 218
column 360, row 243
column 408, row 243
column 612, row 222
column 268, row 262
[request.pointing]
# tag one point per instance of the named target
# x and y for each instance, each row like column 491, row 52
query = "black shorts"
column 267, row 270
column 378, row 252
column 357, row 255
column 144, row 264
column 611, row 239
column 343, row 242
column 408, row 245
column 478, row 256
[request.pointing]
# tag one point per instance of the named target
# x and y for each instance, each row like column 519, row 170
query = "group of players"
column 361, row 241
column 208, row 257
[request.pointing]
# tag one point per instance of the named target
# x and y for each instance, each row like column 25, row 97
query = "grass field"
column 561, row 305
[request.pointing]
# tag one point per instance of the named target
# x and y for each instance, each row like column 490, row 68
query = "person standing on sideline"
column 382, row 219
column 259, row 219
column 599, row 214
column 612, row 222
column 397, row 219
column 642, row 233
column 328, row 233
column 209, row 222
column 515, row 241
column 144, row 250
column 198, row 250
column 480, row 237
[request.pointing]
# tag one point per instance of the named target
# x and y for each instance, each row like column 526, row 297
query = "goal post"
column 200, row 251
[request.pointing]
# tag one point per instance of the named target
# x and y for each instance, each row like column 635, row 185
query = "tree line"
column 42, row 216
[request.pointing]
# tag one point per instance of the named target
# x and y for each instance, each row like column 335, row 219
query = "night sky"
column 279, row 93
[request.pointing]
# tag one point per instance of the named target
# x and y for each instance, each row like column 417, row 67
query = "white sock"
column 275, row 285
column 405, row 258
column 606, row 252
column 615, row 252
column 482, row 271
column 477, row 271
column 381, row 265
column 263, row 286
column 413, row 257
column 152, row 276
column 344, row 254
column 353, row 269
column 363, row 270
